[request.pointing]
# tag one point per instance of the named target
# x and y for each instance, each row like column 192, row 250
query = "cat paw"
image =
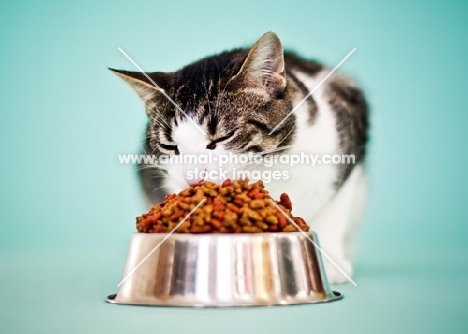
column 334, row 275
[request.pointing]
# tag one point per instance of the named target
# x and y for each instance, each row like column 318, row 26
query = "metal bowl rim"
column 337, row 296
column 217, row 235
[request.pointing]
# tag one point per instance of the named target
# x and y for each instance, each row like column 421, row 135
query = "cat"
column 233, row 102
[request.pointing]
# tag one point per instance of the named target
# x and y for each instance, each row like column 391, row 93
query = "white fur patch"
column 190, row 141
column 337, row 222
column 310, row 188
column 188, row 138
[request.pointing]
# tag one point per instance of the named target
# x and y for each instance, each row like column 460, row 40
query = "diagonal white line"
column 312, row 91
column 282, row 140
column 160, row 243
column 312, row 241
column 162, row 90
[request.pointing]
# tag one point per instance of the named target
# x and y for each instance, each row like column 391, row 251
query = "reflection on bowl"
column 224, row 270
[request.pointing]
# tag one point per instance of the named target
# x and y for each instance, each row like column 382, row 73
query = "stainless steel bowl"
column 224, row 270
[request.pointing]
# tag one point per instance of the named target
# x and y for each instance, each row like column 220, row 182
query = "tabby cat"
column 233, row 102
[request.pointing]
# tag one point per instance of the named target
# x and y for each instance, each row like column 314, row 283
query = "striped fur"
column 237, row 97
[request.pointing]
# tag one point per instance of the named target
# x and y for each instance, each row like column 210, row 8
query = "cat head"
column 228, row 103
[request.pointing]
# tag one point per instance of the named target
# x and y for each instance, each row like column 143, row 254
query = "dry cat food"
column 233, row 207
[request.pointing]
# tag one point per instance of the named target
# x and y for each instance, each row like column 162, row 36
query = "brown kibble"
column 198, row 221
column 208, row 209
column 256, row 204
column 245, row 221
column 244, row 183
column 211, row 192
column 234, row 207
column 230, row 219
column 271, row 220
column 225, row 199
column 301, row 223
column 243, row 197
column 210, row 185
column 259, row 224
column 184, row 206
column 187, row 192
column 196, row 199
column 251, row 229
column 184, row 228
column 289, row 228
column 226, row 190
column 168, row 212
column 253, row 214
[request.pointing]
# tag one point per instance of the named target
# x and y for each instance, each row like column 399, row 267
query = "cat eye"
column 212, row 145
column 170, row 149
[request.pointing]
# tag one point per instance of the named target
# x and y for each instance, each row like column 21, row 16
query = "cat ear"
column 145, row 89
column 264, row 66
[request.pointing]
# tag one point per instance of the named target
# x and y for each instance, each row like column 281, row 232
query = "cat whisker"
column 142, row 142
column 157, row 188
column 273, row 150
column 163, row 120
column 249, row 168
column 150, row 160
column 162, row 176
column 137, row 112
column 154, row 166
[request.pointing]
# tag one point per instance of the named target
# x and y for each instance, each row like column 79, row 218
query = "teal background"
column 67, row 207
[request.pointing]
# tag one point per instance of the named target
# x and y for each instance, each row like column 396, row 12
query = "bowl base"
column 337, row 296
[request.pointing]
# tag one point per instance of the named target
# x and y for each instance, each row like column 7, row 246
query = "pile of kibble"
column 233, row 207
